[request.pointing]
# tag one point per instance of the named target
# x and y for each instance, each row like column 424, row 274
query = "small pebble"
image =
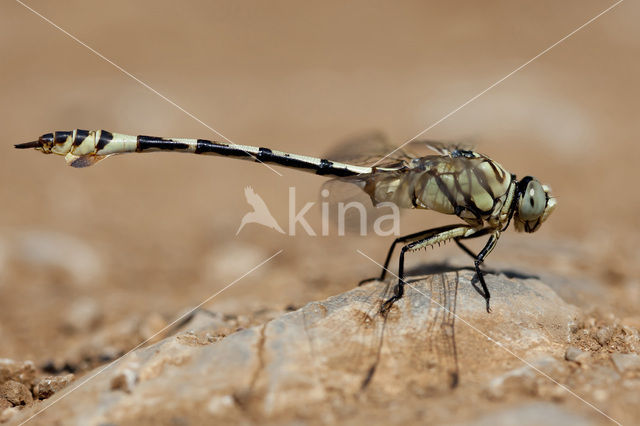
column 16, row 393
column 576, row 355
column 47, row 386
column 125, row 381
column 603, row 335
column 23, row 372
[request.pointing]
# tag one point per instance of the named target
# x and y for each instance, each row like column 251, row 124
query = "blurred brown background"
column 155, row 234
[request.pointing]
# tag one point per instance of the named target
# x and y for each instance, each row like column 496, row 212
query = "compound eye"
column 532, row 202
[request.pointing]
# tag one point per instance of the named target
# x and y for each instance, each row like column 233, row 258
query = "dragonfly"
column 454, row 180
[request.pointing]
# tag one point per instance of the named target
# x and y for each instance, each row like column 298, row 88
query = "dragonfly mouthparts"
column 34, row 144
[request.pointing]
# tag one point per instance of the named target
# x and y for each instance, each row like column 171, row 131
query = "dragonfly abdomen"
column 83, row 148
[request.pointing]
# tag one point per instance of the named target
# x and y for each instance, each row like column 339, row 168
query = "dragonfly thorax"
column 473, row 188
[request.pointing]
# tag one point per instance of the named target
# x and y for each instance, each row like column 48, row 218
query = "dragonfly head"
column 534, row 204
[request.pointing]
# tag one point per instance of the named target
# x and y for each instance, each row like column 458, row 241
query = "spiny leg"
column 479, row 258
column 464, row 248
column 407, row 238
column 445, row 233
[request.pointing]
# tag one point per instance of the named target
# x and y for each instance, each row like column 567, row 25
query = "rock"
column 16, row 393
column 306, row 363
column 539, row 413
column 576, row 355
column 202, row 320
column 46, row 386
column 23, row 372
column 125, row 380
column 56, row 250
column 603, row 335
column 603, row 376
column 529, row 380
column 521, row 381
column 626, row 362
column 111, row 341
column 202, row 327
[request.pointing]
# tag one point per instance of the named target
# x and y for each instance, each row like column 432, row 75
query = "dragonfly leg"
column 479, row 258
column 464, row 248
column 405, row 239
column 440, row 235
column 398, row 289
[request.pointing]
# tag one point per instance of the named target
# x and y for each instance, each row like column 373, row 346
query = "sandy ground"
column 135, row 241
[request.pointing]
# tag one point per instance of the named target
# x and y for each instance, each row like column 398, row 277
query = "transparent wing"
column 374, row 147
column 348, row 200
column 366, row 149
column 350, row 209
column 424, row 147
